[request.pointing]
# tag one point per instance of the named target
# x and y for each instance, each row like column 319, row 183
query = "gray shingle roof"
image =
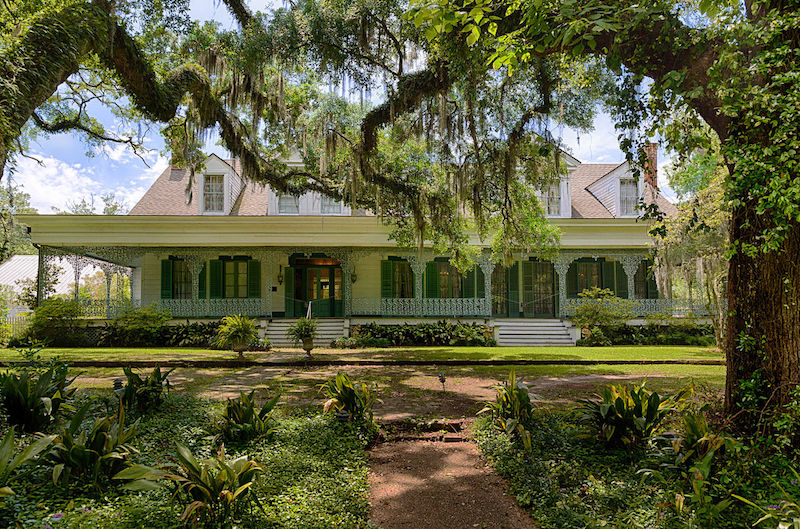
column 167, row 195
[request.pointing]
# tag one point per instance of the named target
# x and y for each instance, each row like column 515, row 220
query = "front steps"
column 532, row 332
column 328, row 329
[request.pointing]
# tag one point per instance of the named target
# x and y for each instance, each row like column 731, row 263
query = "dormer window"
column 214, row 193
column 330, row 206
column 628, row 197
column 552, row 200
column 288, row 205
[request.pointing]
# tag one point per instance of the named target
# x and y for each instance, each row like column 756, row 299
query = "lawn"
column 630, row 353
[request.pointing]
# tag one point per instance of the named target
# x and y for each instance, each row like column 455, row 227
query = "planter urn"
column 308, row 344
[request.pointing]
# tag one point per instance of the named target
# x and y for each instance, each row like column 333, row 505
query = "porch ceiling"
column 217, row 231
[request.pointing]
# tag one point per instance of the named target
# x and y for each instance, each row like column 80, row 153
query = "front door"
column 538, row 289
column 317, row 282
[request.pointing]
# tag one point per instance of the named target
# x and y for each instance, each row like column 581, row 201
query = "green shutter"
column 513, row 290
column 432, row 279
column 387, row 279
column 166, row 279
column 288, row 292
column 217, row 279
column 608, row 275
column 468, row 284
column 572, row 280
column 253, row 278
column 202, row 281
column 480, row 287
column 652, row 286
column 622, row 281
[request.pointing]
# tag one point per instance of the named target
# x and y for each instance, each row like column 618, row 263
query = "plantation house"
column 240, row 248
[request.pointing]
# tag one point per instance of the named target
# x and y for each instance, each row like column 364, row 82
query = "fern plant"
column 241, row 421
column 238, row 333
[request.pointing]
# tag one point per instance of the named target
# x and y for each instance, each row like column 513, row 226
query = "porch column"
column 108, row 270
column 417, row 263
column 265, row 257
column 348, row 266
column 561, row 265
column 78, row 263
column 195, row 262
column 630, row 263
column 487, row 267
column 40, row 275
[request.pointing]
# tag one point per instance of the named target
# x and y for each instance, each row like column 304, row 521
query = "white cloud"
column 57, row 183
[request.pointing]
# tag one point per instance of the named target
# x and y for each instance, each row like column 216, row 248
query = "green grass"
column 432, row 354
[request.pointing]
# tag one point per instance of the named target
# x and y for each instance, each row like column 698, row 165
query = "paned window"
column 403, row 280
column 552, row 200
column 628, row 197
column 330, row 206
column 588, row 276
column 181, row 280
column 213, row 193
column 288, row 205
column 236, row 279
column 449, row 281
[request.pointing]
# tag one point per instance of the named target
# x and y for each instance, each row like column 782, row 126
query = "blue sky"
column 66, row 174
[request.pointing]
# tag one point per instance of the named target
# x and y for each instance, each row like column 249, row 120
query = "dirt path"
column 423, row 484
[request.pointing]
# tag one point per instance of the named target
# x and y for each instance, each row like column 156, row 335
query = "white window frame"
column 296, row 204
column 221, row 193
column 625, row 200
column 331, row 202
column 551, row 199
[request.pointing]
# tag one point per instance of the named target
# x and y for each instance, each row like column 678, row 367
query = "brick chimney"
column 651, row 164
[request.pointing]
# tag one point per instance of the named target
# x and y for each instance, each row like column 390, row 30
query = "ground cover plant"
column 438, row 333
column 689, row 472
column 311, row 472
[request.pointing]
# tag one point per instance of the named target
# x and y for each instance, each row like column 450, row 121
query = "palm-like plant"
column 32, row 402
column 511, row 410
column 212, row 492
column 10, row 461
column 144, row 394
column 303, row 332
column 345, row 396
column 237, row 332
column 241, row 421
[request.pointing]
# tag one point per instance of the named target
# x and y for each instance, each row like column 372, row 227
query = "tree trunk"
column 763, row 334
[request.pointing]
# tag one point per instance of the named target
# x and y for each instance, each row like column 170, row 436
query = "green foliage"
column 237, row 332
column 96, row 452
column 55, row 321
column 598, row 307
column 10, row 461
column 137, row 327
column 511, row 411
column 651, row 334
column 628, row 415
column 346, row 397
column 786, row 422
column 33, row 400
column 438, row 333
column 196, row 334
column 241, row 421
column 212, row 492
column 143, row 395
column 28, row 287
column 301, row 329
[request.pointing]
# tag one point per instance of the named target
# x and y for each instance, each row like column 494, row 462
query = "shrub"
column 99, row 451
column 10, row 461
column 238, row 333
column 627, row 415
column 144, row 394
column 435, row 333
column 242, row 422
column 195, row 334
column 511, row 410
column 141, row 326
column 676, row 333
column 55, row 321
column 211, row 492
column 33, row 401
column 344, row 396
column 599, row 306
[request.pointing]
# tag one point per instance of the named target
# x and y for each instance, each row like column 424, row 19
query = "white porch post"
column 630, row 263
column 487, row 267
column 265, row 256
column 195, row 263
column 418, row 268
column 40, row 275
column 108, row 271
column 561, row 265
column 348, row 265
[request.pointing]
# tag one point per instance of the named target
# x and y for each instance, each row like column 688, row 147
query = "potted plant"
column 237, row 333
column 303, row 332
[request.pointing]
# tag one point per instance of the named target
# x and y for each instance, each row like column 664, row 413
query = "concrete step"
column 533, row 333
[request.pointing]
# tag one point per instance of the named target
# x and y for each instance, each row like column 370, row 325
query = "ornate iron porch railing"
column 449, row 307
column 180, row 308
column 652, row 307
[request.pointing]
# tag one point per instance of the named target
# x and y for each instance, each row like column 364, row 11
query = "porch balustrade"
column 652, row 307
column 180, row 308
column 424, row 307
